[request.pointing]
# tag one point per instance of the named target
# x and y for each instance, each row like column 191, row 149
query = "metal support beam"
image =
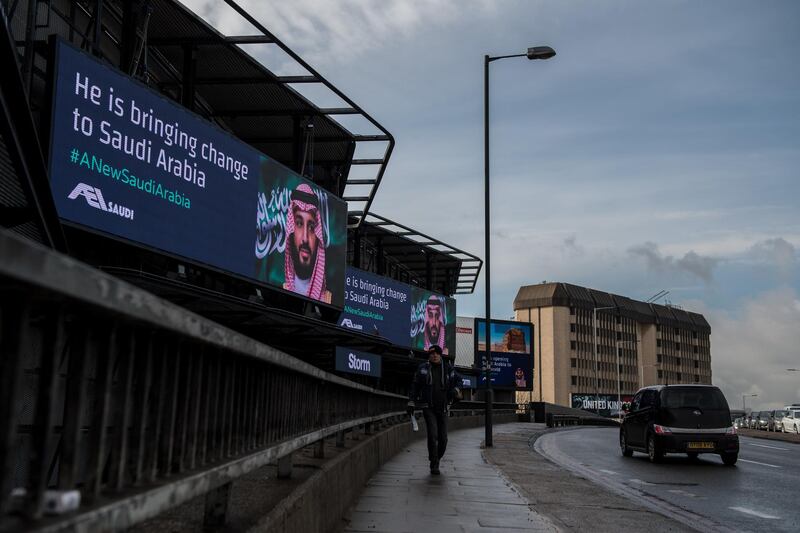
column 188, row 75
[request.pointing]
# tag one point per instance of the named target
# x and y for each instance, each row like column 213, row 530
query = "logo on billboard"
column 94, row 197
column 346, row 322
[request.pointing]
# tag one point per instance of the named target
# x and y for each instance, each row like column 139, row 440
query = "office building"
column 635, row 343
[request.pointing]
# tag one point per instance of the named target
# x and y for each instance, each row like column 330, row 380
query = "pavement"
column 507, row 488
column 470, row 495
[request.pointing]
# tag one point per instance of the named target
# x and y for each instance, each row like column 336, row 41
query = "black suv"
column 690, row 419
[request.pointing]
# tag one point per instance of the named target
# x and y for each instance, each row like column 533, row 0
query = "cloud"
column 778, row 252
column 334, row 31
column 692, row 263
column 752, row 347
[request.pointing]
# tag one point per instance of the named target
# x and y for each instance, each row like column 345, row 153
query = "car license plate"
column 700, row 445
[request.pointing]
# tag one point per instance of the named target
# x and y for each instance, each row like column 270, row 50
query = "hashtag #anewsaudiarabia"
column 123, row 175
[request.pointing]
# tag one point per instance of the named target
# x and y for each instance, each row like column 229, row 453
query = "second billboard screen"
column 405, row 315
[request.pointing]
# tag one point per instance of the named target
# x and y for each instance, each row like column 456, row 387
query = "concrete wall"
column 320, row 503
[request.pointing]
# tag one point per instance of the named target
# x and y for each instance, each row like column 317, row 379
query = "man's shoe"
column 435, row 468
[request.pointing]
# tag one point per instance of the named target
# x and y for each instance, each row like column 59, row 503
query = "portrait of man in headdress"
column 435, row 322
column 305, row 246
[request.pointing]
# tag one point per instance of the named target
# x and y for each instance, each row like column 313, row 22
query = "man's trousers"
column 436, row 425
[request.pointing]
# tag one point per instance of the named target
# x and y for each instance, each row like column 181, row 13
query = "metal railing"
column 137, row 403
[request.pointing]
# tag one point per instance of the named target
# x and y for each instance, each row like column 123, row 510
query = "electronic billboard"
column 127, row 162
column 405, row 315
column 512, row 356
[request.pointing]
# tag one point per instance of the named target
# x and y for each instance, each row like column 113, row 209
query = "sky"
column 657, row 151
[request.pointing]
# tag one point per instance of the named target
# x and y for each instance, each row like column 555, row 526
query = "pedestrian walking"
column 434, row 387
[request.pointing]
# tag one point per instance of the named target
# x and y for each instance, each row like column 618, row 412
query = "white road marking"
column 765, row 446
column 609, row 472
column 682, row 492
column 640, row 482
column 757, row 463
column 745, row 510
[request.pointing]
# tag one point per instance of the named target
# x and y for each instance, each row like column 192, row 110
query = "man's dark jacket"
column 421, row 394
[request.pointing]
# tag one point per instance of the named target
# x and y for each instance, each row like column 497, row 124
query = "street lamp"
column 594, row 331
column 747, row 396
column 535, row 52
column 619, row 385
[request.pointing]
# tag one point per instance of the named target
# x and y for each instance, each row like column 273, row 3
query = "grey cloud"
column 778, row 252
column 692, row 263
column 571, row 249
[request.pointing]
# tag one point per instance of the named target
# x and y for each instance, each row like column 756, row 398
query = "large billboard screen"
column 512, row 357
column 126, row 161
column 405, row 315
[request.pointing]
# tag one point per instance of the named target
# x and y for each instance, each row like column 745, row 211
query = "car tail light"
column 661, row 430
column 731, row 431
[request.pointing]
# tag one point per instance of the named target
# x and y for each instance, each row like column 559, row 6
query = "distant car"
column 763, row 420
column 775, row 420
column 739, row 423
column 690, row 419
column 791, row 421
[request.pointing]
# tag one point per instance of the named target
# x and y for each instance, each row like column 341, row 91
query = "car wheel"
column 653, row 452
column 623, row 445
column 729, row 459
column 693, row 455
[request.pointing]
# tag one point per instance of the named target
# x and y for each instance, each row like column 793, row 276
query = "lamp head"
column 540, row 52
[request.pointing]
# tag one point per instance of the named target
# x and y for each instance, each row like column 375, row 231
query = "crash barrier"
column 562, row 420
column 554, row 420
column 116, row 405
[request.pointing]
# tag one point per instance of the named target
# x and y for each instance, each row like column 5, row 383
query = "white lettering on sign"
column 355, row 363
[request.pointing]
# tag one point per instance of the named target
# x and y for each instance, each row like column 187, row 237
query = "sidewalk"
column 469, row 496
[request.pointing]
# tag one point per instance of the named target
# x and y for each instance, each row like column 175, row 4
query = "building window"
column 677, row 331
column 697, row 364
column 694, row 334
column 695, row 349
column 619, row 335
column 658, row 342
column 572, row 344
column 573, row 362
column 574, row 380
column 572, row 310
column 679, row 376
column 677, row 347
column 696, row 378
column 619, row 320
column 660, row 373
column 571, row 328
column 658, row 327
column 678, row 361
column 658, row 358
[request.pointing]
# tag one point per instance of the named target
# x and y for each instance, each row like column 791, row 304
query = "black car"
column 690, row 419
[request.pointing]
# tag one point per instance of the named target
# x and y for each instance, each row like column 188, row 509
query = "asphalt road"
column 759, row 493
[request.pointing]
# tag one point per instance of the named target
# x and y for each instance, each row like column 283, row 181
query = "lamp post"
column 747, row 396
column 535, row 52
column 594, row 332
column 619, row 386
